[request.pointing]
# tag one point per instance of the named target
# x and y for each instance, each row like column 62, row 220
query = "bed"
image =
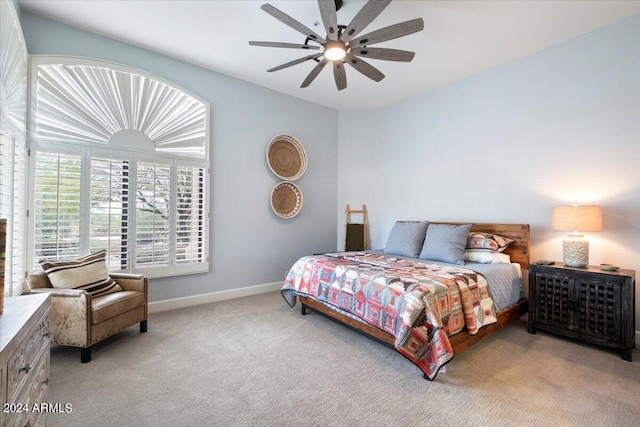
column 425, row 306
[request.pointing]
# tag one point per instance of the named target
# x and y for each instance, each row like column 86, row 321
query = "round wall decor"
column 286, row 199
column 286, row 157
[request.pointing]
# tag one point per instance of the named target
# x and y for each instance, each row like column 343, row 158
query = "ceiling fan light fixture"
column 341, row 46
column 335, row 50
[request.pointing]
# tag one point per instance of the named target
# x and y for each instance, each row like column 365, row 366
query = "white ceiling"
column 460, row 39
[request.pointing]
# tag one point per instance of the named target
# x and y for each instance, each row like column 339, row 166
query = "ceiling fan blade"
column 314, row 73
column 368, row 13
column 382, row 53
column 329, row 18
column 283, row 17
column 364, row 67
column 295, row 61
column 289, row 45
column 389, row 33
column 339, row 74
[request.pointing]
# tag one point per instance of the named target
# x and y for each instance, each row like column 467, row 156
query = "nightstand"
column 588, row 304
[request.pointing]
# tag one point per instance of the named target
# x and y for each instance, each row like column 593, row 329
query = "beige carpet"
column 256, row 362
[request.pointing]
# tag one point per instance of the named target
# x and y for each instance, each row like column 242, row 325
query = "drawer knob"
column 26, row 369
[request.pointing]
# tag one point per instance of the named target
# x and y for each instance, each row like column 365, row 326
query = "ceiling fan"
column 342, row 45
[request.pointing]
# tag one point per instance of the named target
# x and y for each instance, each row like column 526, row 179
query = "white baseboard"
column 172, row 304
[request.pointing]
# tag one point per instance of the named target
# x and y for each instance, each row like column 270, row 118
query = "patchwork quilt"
column 420, row 304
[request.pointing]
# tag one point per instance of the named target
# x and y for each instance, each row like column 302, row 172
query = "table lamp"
column 575, row 249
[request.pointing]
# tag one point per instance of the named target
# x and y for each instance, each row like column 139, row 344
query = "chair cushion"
column 89, row 273
column 112, row 305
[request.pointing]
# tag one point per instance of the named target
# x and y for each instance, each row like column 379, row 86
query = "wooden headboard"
column 518, row 250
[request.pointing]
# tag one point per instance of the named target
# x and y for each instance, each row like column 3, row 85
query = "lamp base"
column 575, row 253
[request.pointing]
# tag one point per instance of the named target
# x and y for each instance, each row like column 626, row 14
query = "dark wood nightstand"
column 588, row 304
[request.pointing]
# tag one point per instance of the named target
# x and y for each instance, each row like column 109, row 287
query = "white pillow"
column 486, row 257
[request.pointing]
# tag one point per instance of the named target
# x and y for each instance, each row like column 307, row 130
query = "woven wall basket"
column 286, row 199
column 286, row 157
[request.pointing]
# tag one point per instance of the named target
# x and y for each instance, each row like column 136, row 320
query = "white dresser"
column 24, row 360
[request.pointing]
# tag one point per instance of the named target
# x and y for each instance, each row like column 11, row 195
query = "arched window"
column 119, row 162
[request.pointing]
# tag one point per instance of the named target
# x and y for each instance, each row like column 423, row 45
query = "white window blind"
column 17, row 253
column 109, row 214
column 90, row 103
column 13, row 209
column 57, row 213
column 190, row 215
column 153, row 214
column 150, row 216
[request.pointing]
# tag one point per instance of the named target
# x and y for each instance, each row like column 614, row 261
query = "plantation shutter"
column 83, row 104
column 13, row 209
column 58, row 179
column 17, row 253
column 152, row 214
column 190, row 216
column 109, row 212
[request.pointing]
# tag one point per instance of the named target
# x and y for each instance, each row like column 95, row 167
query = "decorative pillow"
column 89, row 273
column 486, row 257
column 406, row 238
column 445, row 243
column 487, row 241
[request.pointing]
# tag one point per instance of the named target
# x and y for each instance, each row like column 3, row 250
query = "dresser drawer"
column 37, row 387
column 31, row 395
column 24, row 359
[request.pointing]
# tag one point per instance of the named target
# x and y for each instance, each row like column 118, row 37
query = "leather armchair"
column 78, row 320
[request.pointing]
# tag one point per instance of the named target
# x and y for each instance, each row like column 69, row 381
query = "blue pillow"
column 445, row 243
column 406, row 239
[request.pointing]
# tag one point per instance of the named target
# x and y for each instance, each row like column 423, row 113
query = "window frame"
column 88, row 150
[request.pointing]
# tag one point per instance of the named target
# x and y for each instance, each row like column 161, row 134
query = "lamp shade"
column 577, row 218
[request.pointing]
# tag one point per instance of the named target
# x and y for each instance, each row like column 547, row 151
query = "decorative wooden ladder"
column 356, row 234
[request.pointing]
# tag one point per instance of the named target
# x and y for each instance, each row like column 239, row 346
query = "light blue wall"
column 507, row 145
column 360, row 171
column 559, row 126
column 250, row 245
